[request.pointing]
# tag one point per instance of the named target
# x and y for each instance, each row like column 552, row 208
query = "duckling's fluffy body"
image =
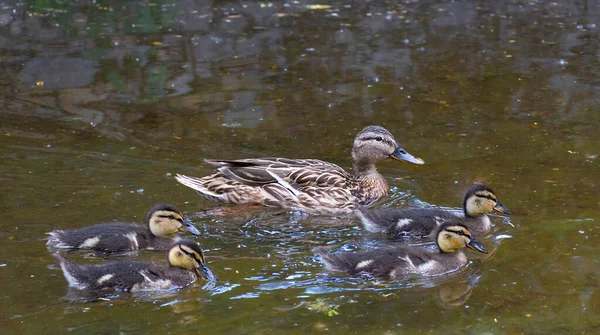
column 394, row 263
column 309, row 185
column 117, row 236
column 186, row 263
column 124, row 276
column 162, row 220
column 421, row 222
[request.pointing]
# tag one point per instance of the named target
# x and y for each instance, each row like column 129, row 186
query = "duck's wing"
column 299, row 172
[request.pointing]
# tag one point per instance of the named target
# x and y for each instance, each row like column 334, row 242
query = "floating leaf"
column 318, row 7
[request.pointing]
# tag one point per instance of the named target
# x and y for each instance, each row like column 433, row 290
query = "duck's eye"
column 171, row 216
column 378, row 138
column 179, row 253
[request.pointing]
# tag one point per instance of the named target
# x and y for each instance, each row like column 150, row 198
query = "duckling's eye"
column 179, row 253
column 378, row 138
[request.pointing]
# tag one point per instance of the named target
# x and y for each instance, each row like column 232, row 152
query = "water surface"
column 102, row 102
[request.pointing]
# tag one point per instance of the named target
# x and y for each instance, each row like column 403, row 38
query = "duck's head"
column 166, row 219
column 187, row 254
column 453, row 236
column 480, row 200
column 374, row 144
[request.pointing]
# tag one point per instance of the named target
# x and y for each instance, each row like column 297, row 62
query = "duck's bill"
column 401, row 155
column 501, row 208
column 205, row 273
column 475, row 245
column 190, row 228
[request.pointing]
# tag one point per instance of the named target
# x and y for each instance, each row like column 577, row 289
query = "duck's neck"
column 373, row 184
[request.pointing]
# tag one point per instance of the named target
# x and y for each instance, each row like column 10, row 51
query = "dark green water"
column 103, row 102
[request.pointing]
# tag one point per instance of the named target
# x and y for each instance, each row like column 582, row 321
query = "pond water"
column 103, row 102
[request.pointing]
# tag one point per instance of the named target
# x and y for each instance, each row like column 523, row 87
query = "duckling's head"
column 481, row 199
column 374, row 144
column 165, row 219
column 453, row 236
column 187, row 254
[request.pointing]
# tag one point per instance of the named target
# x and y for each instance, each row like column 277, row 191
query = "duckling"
column 186, row 263
column 161, row 220
column 478, row 201
column 308, row 185
column 398, row 262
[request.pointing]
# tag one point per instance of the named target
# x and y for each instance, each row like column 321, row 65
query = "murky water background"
column 102, row 102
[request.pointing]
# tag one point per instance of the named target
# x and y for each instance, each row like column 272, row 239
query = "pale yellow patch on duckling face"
column 184, row 257
column 453, row 238
column 165, row 222
column 481, row 202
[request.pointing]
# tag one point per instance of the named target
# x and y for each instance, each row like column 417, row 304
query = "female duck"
column 401, row 261
column 309, row 185
column 162, row 220
column 186, row 263
column 399, row 223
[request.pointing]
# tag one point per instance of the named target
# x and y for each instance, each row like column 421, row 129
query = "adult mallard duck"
column 308, row 185
column 186, row 263
column 394, row 263
column 479, row 200
column 162, row 220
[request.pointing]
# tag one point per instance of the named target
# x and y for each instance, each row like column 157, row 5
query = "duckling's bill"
column 189, row 227
column 403, row 155
column 475, row 245
column 501, row 208
column 205, row 273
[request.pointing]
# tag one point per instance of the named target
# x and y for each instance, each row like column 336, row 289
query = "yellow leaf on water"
column 318, row 7
column 39, row 83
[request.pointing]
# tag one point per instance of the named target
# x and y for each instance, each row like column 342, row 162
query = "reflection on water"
column 103, row 102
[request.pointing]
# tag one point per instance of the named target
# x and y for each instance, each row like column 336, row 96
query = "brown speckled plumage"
column 308, row 185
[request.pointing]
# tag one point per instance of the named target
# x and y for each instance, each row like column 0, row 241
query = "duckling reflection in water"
column 162, row 220
column 308, row 185
column 479, row 200
column 394, row 263
column 186, row 264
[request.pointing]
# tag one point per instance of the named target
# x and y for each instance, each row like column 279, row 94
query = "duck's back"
column 405, row 222
column 124, row 276
column 381, row 263
column 310, row 185
column 393, row 263
column 117, row 236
